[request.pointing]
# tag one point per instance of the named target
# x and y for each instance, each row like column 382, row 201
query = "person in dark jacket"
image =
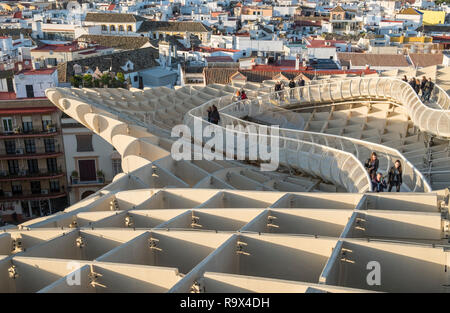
column 417, row 88
column 412, row 83
column 215, row 116
column 291, row 86
column 422, row 86
column 277, row 86
column 301, row 83
column 378, row 183
column 405, row 79
column 395, row 176
column 372, row 164
column 429, row 86
column 209, row 110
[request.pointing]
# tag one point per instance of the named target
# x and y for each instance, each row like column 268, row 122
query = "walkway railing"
column 333, row 165
column 413, row 179
column 432, row 116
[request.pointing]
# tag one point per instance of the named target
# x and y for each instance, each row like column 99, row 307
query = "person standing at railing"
column 405, row 79
column 237, row 95
column 372, row 164
column 243, row 95
column 278, row 89
column 429, row 86
column 378, row 183
column 291, row 86
column 301, row 84
column 395, row 176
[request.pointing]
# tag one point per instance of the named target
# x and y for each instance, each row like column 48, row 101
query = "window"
column 33, row 167
column 10, row 146
column 25, row 208
column 84, row 143
column 117, row 166
column 121, row 29
column 52, row 61
column 49, row 145
column 16, row 189
column 87, row 170
column 130, row 28
column 54, row 186
column 7, row 124
column 52, row 165
column 35, row 208
column 46, row 121
column 30, row 91
column 13, row 166
column 27, row 124
column 30, row 146
column 104, row 28
column 112, row 28
column 35, row 187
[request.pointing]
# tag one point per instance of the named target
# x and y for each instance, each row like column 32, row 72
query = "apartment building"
column 32, row 167
column 91, row 161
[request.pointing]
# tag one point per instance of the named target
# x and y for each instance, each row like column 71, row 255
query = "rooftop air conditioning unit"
column 44, row 191
column 19, row 151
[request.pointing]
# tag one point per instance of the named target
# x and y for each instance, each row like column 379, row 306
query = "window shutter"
column 84, row 143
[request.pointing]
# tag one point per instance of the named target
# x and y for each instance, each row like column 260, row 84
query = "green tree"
column 76, row 81
column 87, row 81
column 105, row 80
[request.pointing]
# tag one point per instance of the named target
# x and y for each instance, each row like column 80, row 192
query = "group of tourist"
column 425, row 87
column 240, row 95
column 213, row 115
column 378, row 182
column 279, row 86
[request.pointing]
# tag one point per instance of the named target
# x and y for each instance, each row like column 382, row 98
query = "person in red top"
column 243, row 95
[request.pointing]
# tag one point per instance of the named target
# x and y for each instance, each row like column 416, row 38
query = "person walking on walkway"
column 412, row 83
column 378, row 183
column 422, row 86
column 209, row 111
column 417, row 87
column 372, row 164
column 215, row 116
column 395, row 176
column 429, row 86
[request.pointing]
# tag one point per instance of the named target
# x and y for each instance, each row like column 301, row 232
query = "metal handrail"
column 357, row 181
column 306, row 90
column 391, row 154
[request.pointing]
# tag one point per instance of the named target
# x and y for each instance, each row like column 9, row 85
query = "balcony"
column 76, row 182
column 29, row 195
column 21, row 153
column 19, row 133
column 24, row 175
